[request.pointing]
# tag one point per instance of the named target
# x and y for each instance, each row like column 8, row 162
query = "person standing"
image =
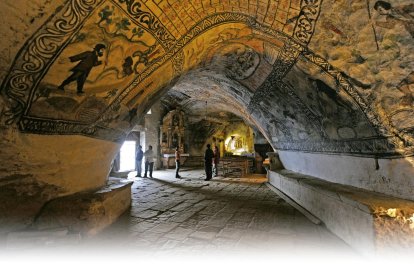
column 149, row 161
column 177, row 162
column 138, row 161
column 216, row 160
column 208, row 163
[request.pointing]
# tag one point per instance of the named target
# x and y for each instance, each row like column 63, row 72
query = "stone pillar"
column 152, row 128
column 274, row 161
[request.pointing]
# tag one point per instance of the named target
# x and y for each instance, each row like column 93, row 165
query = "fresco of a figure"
column 80, row 72
column 397, row 17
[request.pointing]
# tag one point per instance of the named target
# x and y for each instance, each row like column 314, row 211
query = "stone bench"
column 87, row 213
column 367, row 221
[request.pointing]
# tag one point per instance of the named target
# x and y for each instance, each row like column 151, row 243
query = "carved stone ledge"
column 87, row 213
column 368, row 221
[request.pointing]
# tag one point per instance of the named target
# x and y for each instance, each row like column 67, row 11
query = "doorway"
column 127, row 156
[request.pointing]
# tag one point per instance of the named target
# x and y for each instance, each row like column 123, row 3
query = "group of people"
column 149, row 161
column 211, row 161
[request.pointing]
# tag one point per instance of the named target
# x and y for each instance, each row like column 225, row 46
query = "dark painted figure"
column 88, row 60
column 127, row 67
column 394, row 16
column 208, row 162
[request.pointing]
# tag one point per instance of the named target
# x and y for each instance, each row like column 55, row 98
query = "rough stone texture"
column 21, row 203
column 87, row 213
column 72, row 163
column 376, row 54
column 357, row 216
column 190, row 215
column 394, row 227
column 307, row 74
column 152, row 133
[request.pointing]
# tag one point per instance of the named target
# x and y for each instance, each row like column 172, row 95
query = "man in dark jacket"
column 138, row 161
column 88, row 60
column 208, row 163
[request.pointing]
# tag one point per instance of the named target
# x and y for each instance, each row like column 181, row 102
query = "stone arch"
column 272, row 62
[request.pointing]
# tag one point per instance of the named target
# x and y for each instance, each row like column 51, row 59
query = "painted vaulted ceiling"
column 311, row 75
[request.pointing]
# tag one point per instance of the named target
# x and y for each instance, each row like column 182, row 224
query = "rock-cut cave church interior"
column 207, row 125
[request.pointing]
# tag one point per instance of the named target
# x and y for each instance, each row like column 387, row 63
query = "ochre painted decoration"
column 310, row 80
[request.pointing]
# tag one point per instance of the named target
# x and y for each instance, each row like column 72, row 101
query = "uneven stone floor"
column 192, row 215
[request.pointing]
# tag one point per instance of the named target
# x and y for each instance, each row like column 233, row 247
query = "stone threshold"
column 367, row 221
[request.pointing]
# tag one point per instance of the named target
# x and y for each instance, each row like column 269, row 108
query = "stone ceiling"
column 312, row 75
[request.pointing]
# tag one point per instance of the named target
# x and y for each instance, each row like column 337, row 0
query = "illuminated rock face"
column 312, row 76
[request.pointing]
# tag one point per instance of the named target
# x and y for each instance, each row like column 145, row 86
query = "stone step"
column 87, row 213
column 367, row 221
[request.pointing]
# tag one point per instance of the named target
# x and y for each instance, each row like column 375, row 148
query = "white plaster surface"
column 347, row 219
column 394, row 176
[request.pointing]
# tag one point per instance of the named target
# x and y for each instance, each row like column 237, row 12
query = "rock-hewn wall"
column 327, row 77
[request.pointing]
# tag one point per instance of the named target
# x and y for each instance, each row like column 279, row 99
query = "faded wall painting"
column 324, row 76
column 372, row 43
column 98, row 62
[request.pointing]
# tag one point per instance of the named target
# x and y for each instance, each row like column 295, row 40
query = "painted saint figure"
column 88, row 60
column 394, row 17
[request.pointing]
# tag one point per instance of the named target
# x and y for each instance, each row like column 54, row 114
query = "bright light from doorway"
column 128, row 156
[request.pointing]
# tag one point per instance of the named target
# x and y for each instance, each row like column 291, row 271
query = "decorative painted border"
column 380, row 147
column 39, row 52
column 62, row 127
column 201, row 27
column 43, row 47
column 305, row 25
column 178, row 64
column 149, row 22
column 302, row 34
column 401, row 140
column 340, row 79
